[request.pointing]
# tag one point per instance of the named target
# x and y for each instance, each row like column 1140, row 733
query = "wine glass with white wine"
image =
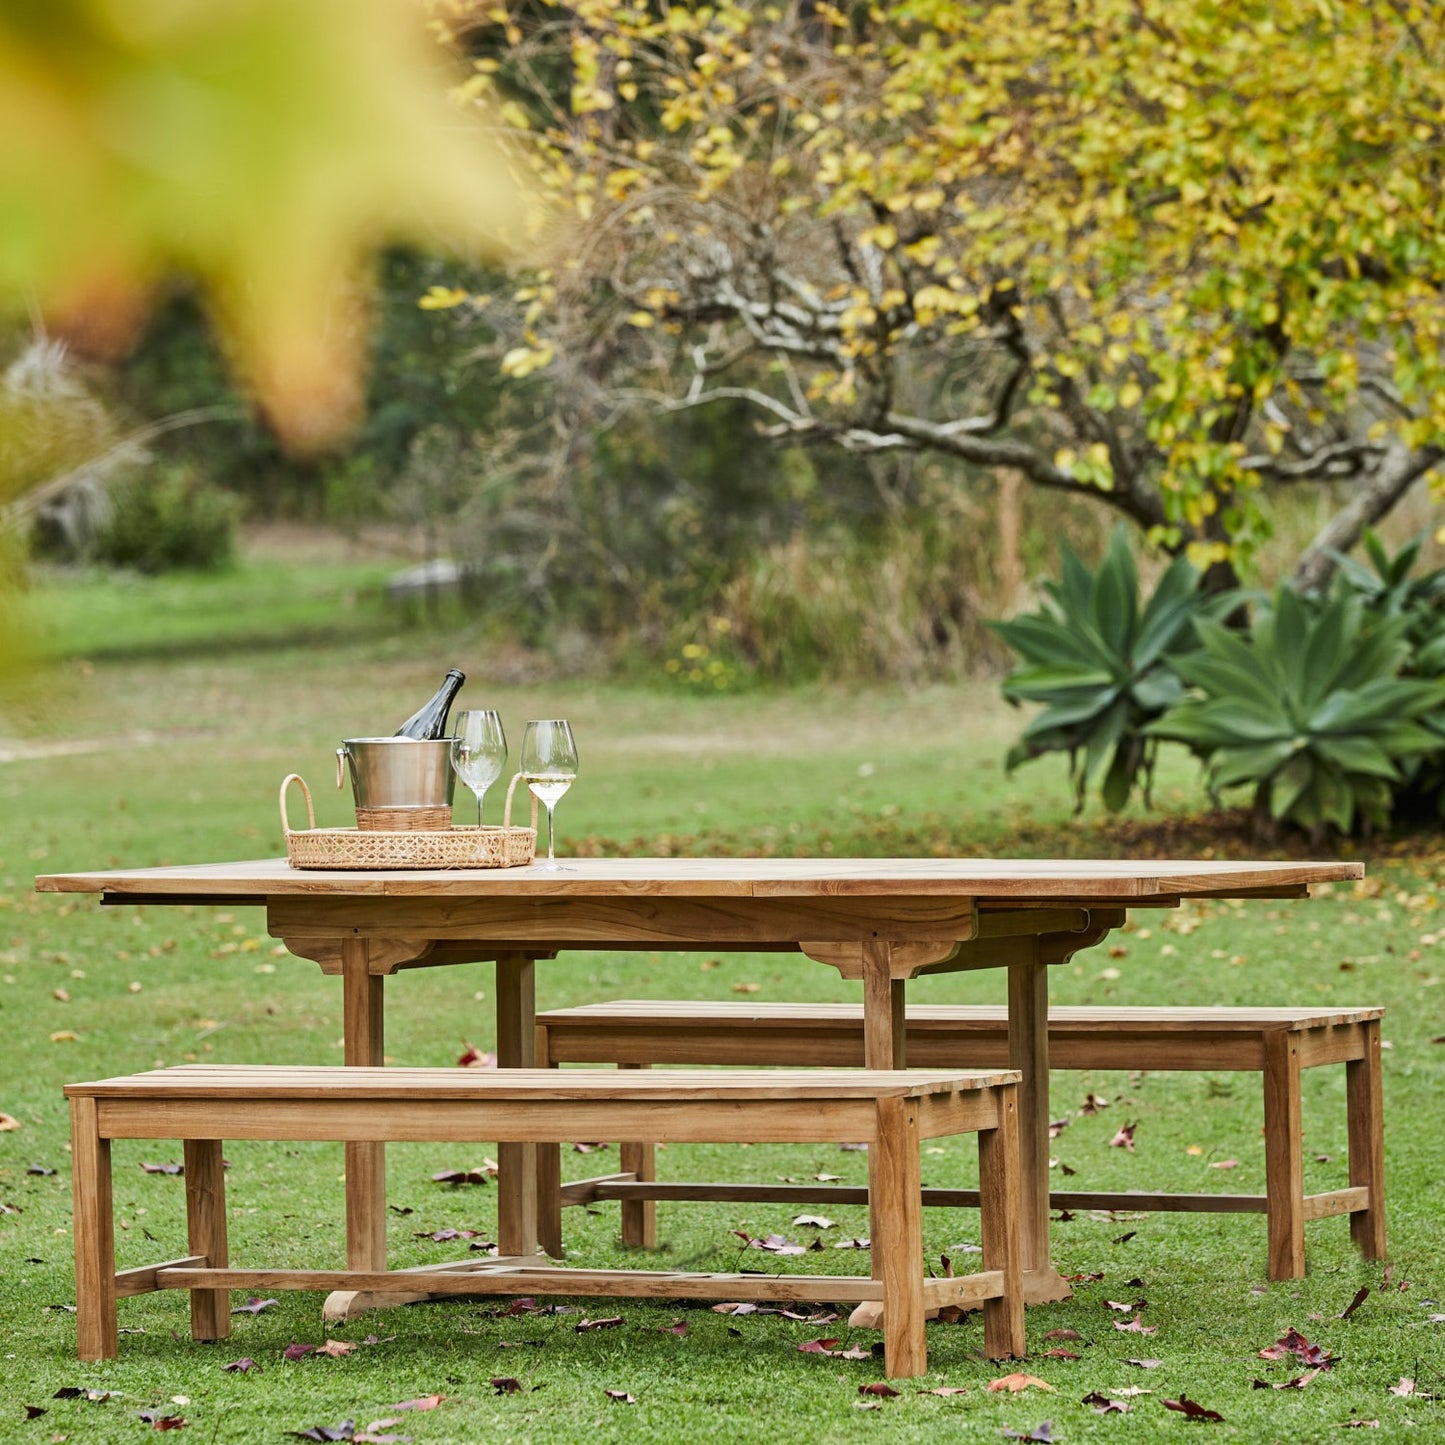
column 549, row 768
column 479, row 751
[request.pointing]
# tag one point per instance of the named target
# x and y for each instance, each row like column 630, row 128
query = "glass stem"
column 550, row 857
column 480, row 796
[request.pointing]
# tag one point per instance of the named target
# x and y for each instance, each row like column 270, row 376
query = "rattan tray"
column 464, row 847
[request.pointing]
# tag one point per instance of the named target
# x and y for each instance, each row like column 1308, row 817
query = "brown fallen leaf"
column 1063, row 1335
column 1192, row 1409
column 243, row 1366
column 1092, row 1104
column 829, row 1348
column 336, row 1349
column 158, row 1421
column 878, row 1387
column 1018, row 1381
column 1298, row 1383
column 9, row 1122
column 1061, row 1354
column 621, row 1396
column 1406, row 1387
column 1145, row 1364
column 1041, row 1432
column 747, row 987
column 504, row 1385
column 1103, row 1405
column 1136, row 1326
column 812, row 1221
column 1361, row 1295
column 1124, row 1139
column 611, row 1322
column 946, row 1390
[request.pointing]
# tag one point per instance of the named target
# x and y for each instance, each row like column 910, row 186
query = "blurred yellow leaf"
column 262, row 146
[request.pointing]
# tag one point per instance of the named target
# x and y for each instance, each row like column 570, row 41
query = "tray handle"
column 507, row 810
column 305, row 793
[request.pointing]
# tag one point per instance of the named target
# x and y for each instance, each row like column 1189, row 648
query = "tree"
column 1171, row 255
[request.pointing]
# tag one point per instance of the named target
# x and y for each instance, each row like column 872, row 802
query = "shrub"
column 1309, row 708
column 1103, row 667
column 169, row 523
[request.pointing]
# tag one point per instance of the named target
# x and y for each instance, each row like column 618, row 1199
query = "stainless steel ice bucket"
column 398, row 772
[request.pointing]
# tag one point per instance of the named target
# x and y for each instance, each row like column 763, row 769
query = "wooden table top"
column 1002, row 879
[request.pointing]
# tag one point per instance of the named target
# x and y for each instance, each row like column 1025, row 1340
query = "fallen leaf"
column 243, row 1366
column 747, row 987
column 463, row 1176
column 621, row 1396
column 1361, row 1295
column 1294, row 1343
column 162, row 1422
column 878, row 1387
column 828, row 1178
column 1092, row 1104
column 1298, row 1383
column 812, row 1221
column 1123, row 1309
column 1132, row 1390
column 1145, row 1364
column 473, row 1058
column 677, row 1327
column 506, row 1384
column 610, row 1323
column 9, row 1122
column 442, row 1236
column 80, row 1392
column 1191, row 1409
column 1360, row 1425
column 828, row 1348
column 34, row 1412
column 422, row 1402
column 1018, row 1381
column 345, row 1430
column 171, row 1168
column 1063, row 1335
column 41, row 1171
column 858, row 1243
column 1136, row 1326
column 10, row 1208
column 1124, row 1139
column 946, row 1390
column 253, row 1306
column 853, row 1148
column 1225, row 1164
column 583, row 1146
column 1061, row 1354
column 1103, row 1405
column 336, row 1348
column 297, row 1352
column 1057, row 1127
column 65, row 1036
column 1098, row 1274
column 1404, row 1388
column 1125, row 1237
column 1043, row 1431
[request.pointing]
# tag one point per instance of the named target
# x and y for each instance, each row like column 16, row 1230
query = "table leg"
column 516, row 1049
column 1028, row 1033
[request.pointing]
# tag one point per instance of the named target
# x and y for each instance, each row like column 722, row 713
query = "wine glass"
column 549, row 766
column 479, row 751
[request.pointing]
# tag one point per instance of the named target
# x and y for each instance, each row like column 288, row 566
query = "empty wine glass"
column 549, row 766
column 479, row 751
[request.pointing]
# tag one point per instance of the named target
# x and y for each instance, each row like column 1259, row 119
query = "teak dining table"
column 880, row 921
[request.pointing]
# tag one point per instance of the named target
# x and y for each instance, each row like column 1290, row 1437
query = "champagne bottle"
column 430, row 719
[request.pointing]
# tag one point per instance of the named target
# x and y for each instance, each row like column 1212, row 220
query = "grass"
column 148, row 759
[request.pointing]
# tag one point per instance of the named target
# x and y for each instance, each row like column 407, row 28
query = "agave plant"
column 1102, row 667
column 1308, row 707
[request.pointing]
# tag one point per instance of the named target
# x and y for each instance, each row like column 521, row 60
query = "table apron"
column 657, row 921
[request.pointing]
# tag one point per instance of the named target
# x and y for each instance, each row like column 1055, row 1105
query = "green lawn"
column 144, row 759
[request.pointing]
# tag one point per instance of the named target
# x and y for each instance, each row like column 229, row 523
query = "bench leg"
column 639, row 1216
column 1283, row 1156
column 999, row 1209
column 96, row 1335
column 1366, row 1114
column 549, row 1169
column 206, row 1231
column 895, row 1210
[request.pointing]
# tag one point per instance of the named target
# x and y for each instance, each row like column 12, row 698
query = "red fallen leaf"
column 473, row 1058
column 254, row 1306
column 506, row 1384
column 946, row 1390
column 1123, row 1309
column 1098, row 1274
column 1298, row 1383
column 1092, row 1104
column 1124, row 1139
column 1361, row 1295
column 878, row 1387
column 826, row 1347
column 463, row 1176
column 610, row 1323
column 1063, row 1335
column 1192, row 1409
column 162, row 1422
column 621, row 1396
column 1043, row 1432
column 524, row 1306
column 163, row 1168
column 1145, row 1364
column 1136, row 1326
column 677, row 1327
column 1061, row 1354
column 1291, row 1342
column 1018, row 1381
column 243, row 1366
column 297, row 1352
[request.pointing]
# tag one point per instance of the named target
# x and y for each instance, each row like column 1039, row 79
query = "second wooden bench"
column 1273, row 1042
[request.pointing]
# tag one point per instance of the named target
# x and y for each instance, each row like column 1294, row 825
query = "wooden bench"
column 1275, row 1042
column 892, row 1111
